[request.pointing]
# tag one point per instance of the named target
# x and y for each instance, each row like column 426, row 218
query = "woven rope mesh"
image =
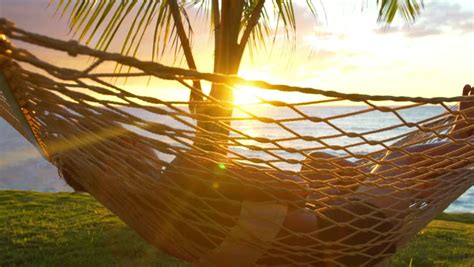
column 275, row 193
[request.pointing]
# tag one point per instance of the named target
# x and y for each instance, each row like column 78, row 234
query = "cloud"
column 323, row 55
column 435, row 19
column 421, row 31
column 467, row 27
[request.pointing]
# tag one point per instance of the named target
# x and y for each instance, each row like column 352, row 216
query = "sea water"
column 22, row 168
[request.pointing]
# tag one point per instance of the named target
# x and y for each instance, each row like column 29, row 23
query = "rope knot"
column 4, row 23
column 5, row 49
column 73, row 49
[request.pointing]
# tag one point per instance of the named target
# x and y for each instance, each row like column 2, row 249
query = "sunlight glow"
column 245, row 95
column 249, row 94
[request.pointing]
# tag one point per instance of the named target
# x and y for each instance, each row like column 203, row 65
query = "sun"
column 244, row 95
column 248, row 95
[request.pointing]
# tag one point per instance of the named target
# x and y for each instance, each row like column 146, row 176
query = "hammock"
column 291, row 184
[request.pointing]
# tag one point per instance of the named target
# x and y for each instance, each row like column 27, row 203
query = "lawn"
column 64, row 229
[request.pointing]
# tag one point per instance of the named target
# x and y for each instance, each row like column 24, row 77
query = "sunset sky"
column 345, row 49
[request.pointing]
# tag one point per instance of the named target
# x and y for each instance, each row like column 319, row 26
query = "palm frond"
column 99, row 22
column 409, row 9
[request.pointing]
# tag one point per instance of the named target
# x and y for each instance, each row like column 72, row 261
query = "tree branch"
column 186, row 46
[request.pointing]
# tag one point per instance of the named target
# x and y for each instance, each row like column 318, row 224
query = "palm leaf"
column 409, row 9
column 100, row 21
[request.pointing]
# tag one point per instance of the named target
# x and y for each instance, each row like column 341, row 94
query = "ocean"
column 22, row 167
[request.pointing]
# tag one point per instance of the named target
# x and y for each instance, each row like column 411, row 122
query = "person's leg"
column 413, row 172
column 461, row 129
column 404, row 176
column 382, row 192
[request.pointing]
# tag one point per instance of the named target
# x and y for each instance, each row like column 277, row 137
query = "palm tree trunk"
column 227, row 61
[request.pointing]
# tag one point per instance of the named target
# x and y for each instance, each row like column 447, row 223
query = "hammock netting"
column 292, row 183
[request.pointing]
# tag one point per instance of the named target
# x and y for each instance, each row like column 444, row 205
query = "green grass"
column 446, row 241
column 63, row 229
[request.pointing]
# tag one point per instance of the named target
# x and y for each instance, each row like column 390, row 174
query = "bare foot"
column 467, row 108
